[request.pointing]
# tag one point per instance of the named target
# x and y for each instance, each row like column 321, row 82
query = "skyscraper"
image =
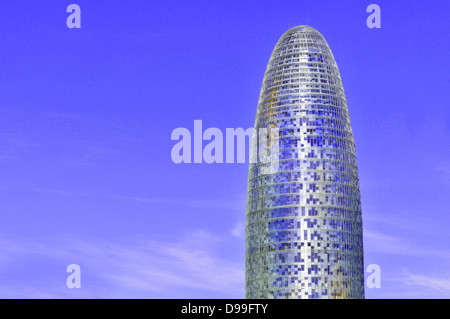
column 303, row 219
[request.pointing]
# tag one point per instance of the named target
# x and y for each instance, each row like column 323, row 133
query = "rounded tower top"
column 305, row 29
column 304, row 32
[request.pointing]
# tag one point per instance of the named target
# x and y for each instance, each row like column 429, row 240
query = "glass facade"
column 303, row 219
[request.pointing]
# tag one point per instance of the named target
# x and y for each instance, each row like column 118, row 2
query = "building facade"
column 303, row 219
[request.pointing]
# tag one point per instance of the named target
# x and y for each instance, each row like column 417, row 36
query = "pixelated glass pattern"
column 303, row 221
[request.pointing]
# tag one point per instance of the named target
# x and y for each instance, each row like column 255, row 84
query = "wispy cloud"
column 444, row 171
column 232, row 205
column 407, row 284
column 239, row 230
column 138, row 268
column 380, row 242
column 406, row 220
column 67, row 116
column 13, row 148
column 235, row 205
column 438, row 284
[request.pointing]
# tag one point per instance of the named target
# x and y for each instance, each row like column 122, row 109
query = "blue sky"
column 86, row 117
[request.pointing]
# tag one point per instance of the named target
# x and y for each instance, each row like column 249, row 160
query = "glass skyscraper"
column 303, row 219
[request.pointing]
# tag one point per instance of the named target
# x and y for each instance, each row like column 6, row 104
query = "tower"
column 303, row 219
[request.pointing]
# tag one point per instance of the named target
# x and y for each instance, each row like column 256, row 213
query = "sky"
column 86, row 116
